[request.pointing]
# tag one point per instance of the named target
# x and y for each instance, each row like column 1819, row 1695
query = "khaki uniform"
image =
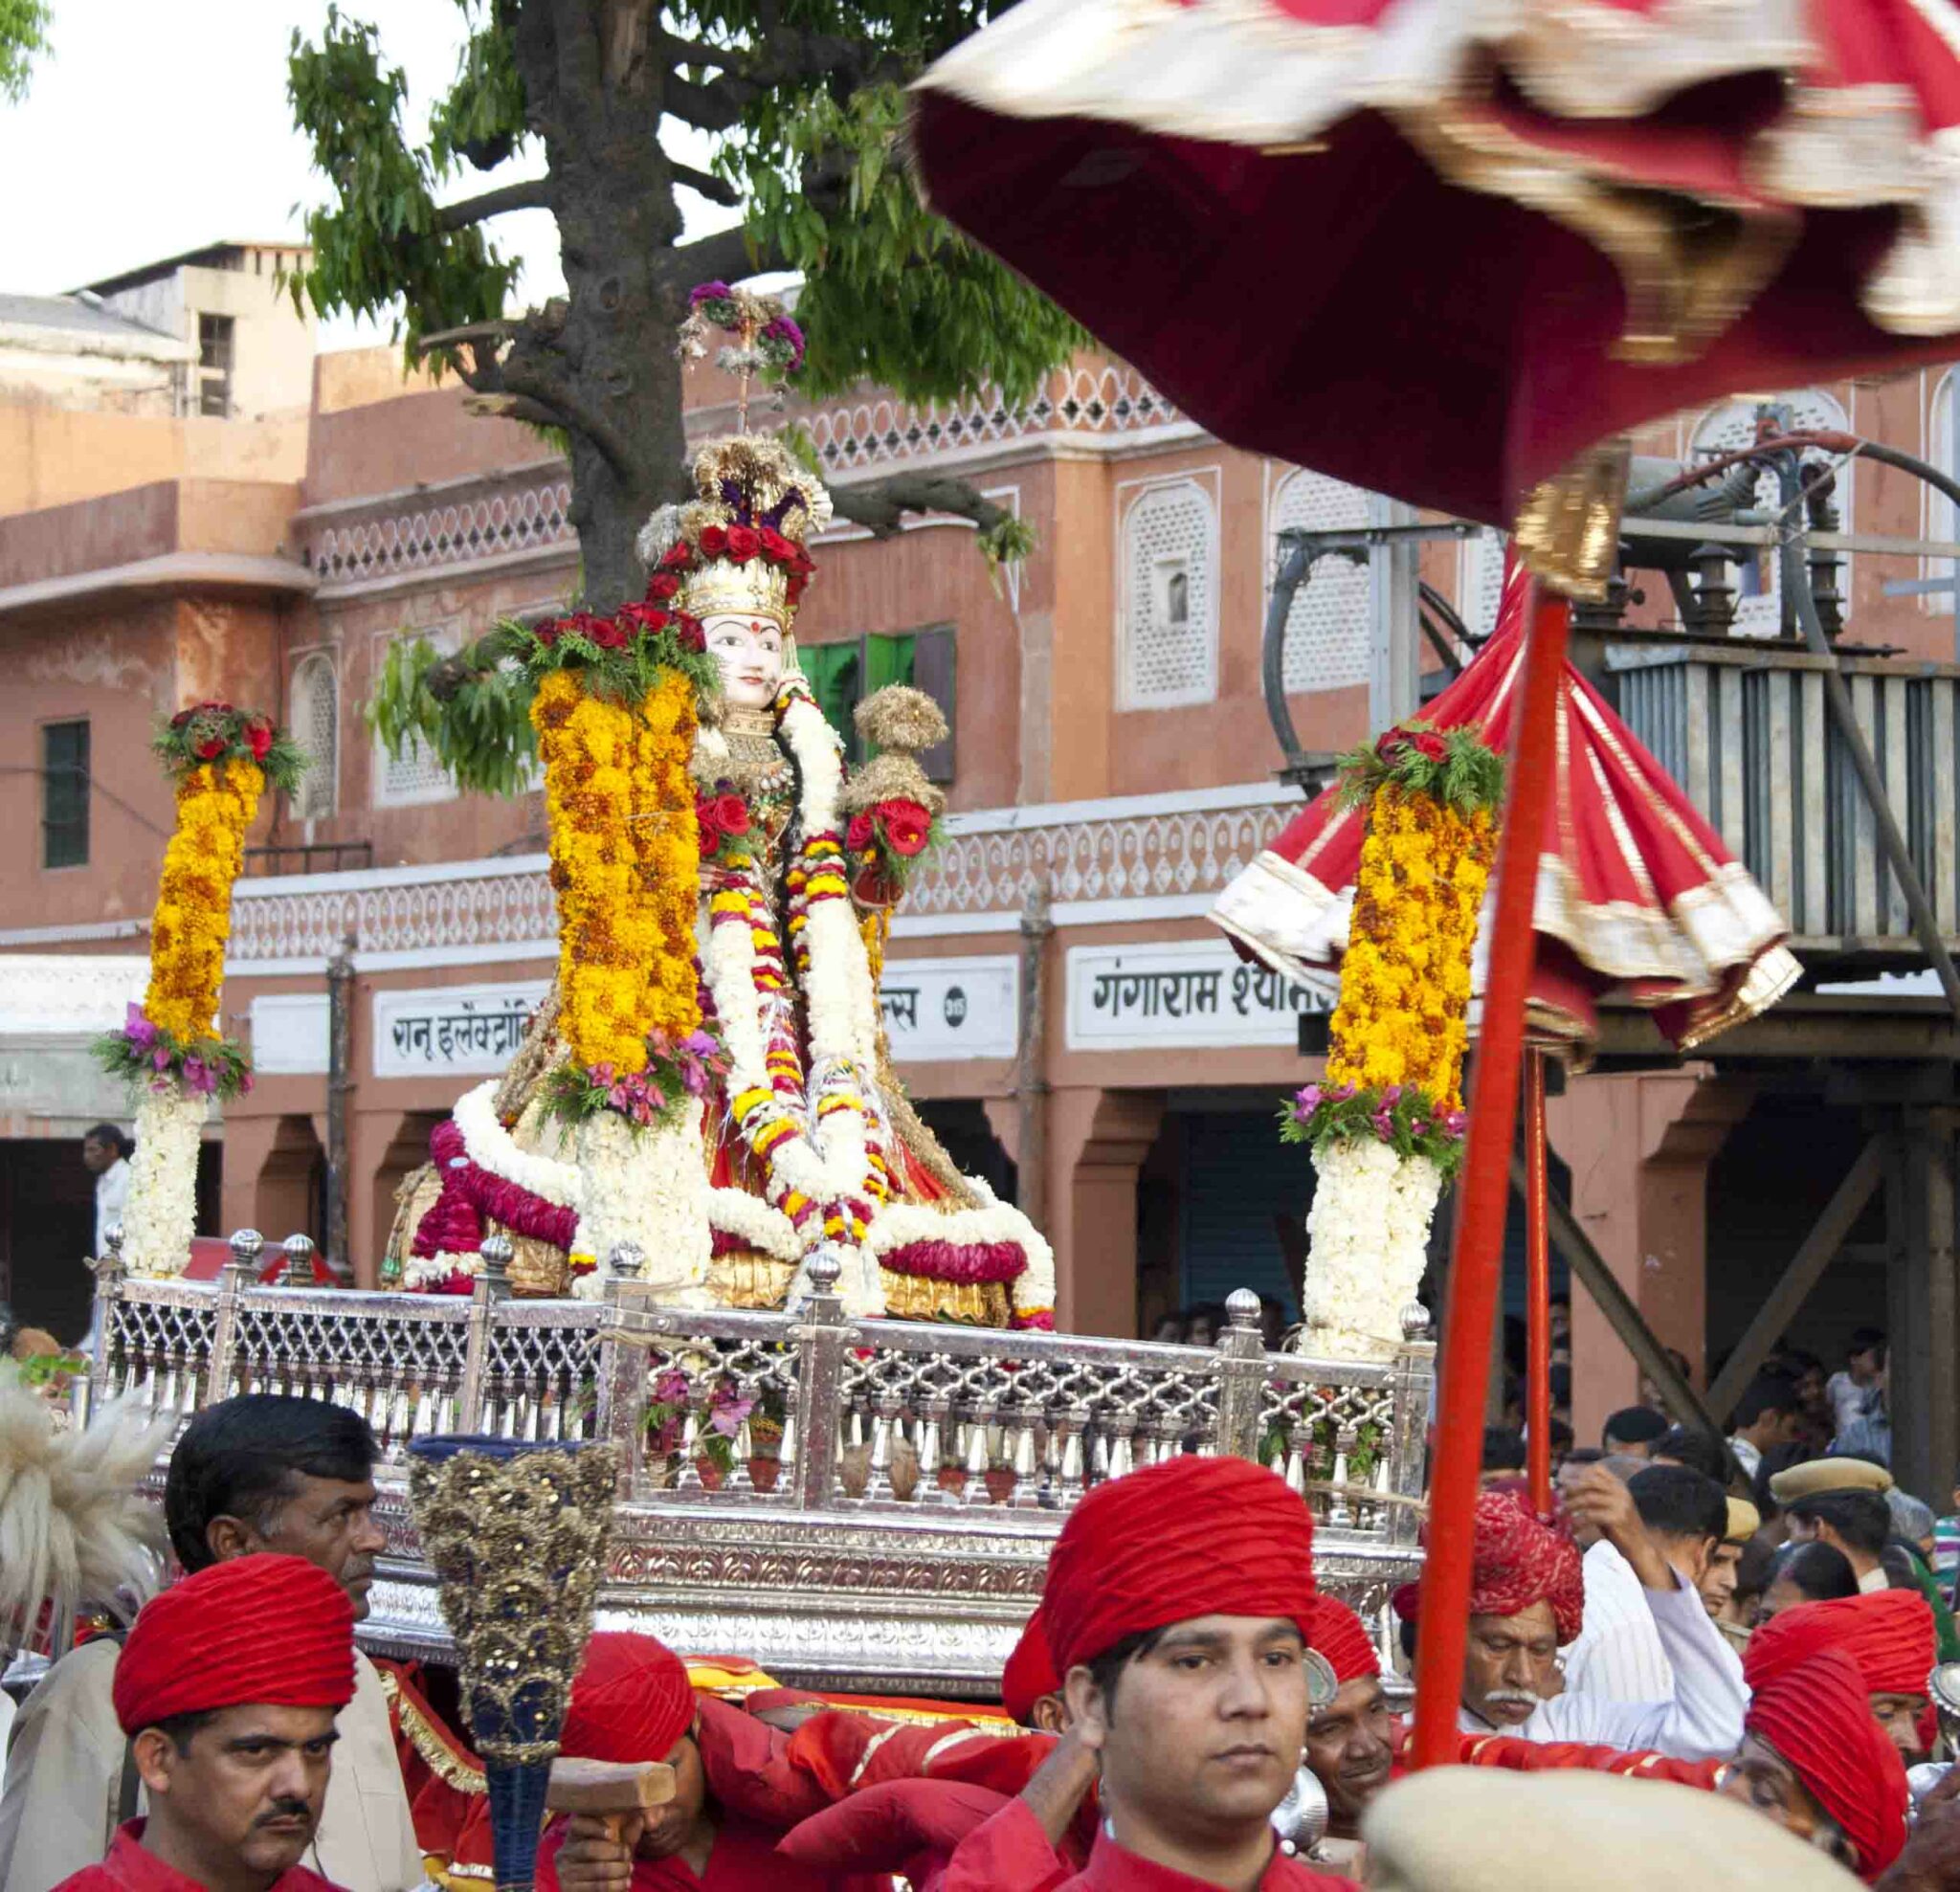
column 64, row 1776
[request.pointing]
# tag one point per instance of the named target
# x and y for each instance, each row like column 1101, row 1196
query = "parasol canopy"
column 1635, row 897
column 1437, row 248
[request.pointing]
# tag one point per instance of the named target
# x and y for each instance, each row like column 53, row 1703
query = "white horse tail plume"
column 75, row 1527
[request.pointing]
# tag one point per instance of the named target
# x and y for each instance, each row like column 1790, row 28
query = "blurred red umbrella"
column 1442, row 248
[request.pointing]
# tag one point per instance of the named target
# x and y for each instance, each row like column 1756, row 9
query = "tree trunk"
column 605, row 360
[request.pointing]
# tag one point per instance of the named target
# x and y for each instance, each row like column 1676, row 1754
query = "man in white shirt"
column 260, row 1473
column 105, row 1154
column 1528, row 1596
column 1769, row 1413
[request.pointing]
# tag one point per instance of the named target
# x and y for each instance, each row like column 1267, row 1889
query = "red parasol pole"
column 1537, row 1292
column 1483, row 1193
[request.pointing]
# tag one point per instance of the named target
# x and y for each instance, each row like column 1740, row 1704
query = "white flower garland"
column 422, row 1272
column 753, row 1221
column 493, row 1147
column 901, row 1224
column 1368, row 1236
column 160, row 1215
column 643, row 1186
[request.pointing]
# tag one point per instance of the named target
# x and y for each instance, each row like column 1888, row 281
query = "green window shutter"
column 835, row 672
column 64, row 795
column 932, row 671
column 887, row 660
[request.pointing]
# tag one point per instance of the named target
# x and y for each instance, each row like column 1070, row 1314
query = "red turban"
column 1889, row 1634
column 275, row 1629
column 631, row 1700
column 1336, row 1632
column 1521, row 1562
column 1818, row 1716
column 1029, row 1674
column 1186, row 1537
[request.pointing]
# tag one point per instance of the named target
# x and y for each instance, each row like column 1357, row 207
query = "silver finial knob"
column 298, row 1268
column 826, row 1269
column 1414, row 1322
column 247, row 1246
column 496, row 1252
column 1242, row 1308
column 628, row 1258
column 112, row 1238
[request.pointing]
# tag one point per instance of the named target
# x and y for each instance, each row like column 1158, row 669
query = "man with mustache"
column 227, row 1690
column 1889, row 1634
column 1527, row 1600
column 1178, row 1608
column 259, row 1474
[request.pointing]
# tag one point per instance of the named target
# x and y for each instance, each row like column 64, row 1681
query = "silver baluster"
column 931, row 1450
column 1339, row 1513
column 1296, row 1469
column 1120, row 1458
column 1068, row 1486
column 785, row 1455
column 977, row 1461
column 1027, row 1494
column 877, row 1484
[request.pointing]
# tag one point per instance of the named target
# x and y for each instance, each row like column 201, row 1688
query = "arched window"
column 1480, row 581
column 1759, row 610
column 1329, row 629
column 414, row 776
column 315, row 721
column 1169, row 612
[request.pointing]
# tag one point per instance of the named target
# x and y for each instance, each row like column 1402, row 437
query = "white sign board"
column 1196, row 992
column 452, row 1028
column 951, row 1008
column 289, row 1034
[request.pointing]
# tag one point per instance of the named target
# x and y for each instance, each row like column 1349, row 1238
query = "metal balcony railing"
column 1744, row 730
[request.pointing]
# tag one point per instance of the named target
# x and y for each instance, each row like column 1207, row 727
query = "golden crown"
column 747, row 483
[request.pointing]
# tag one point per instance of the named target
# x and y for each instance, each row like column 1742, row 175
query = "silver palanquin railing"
column 845, row 1503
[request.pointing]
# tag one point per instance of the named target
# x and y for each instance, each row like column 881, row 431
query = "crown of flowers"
column 621, row 656
column 208, row 734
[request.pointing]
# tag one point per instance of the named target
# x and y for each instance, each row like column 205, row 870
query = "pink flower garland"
column 960, row 1262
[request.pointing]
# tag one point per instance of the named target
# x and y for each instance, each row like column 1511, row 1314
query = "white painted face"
column 749, row 649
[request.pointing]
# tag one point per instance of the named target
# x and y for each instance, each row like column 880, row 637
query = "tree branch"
column 563, row 409
column 532, row 194
column 716, row 189
column 725, row 256
column 710, row 107
column 882, row 505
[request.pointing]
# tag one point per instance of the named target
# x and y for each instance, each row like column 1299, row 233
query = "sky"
column 156, row 126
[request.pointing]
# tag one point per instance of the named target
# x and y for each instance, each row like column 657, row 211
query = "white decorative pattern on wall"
column 315, row 721
column 414, row 776
column 1328, row 630
column 1168, row 629
column 388, row 545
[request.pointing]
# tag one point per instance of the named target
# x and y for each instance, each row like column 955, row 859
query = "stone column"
column 1638, row 1145
column 1098, row 1140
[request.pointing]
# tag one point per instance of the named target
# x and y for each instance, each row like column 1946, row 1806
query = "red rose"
column 744, row 542
column 776, row 548
column 688, row 629
column 663, row 587
column 607, row 635
column 258, row 735
column 547, row 634
column 798, row 584
column 1389, row 744
column 679, row 557
column 650, row 618
column 210, row 749
column 706, row 831
column 1427, row 742
column 182, row 717
column 908, row 827
column 858, row 833
column 731, row 815
column 714, row 541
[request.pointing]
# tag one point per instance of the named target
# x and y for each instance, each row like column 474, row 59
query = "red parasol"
column 1637, row 898
column 1440, row 249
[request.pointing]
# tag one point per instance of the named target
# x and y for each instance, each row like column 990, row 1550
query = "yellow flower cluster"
column 216, row 803
column 1405, row 978
column 624, row 864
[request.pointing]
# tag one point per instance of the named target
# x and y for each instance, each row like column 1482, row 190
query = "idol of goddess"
column 804, row 1136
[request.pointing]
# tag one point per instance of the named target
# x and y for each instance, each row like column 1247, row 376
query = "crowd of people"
column 1182, row 1696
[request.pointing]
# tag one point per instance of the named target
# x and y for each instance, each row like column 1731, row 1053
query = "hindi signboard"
column 452, row 1028
column 951, row 1008
column 1173, row 992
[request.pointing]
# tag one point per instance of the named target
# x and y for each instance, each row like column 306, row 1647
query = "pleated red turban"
column 1889, row 1634
column 275, row 1629
column 1337, row 1633
column 1521, row 1562
column 1817, row 1715
column 631, row 1701
column 1030, row 1673
column 1186, row 1537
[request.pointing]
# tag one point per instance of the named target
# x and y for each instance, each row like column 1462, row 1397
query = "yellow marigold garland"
column 216, row 803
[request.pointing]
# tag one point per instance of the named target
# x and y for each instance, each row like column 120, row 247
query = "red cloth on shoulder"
column 744, row 1859
column 908, row 1827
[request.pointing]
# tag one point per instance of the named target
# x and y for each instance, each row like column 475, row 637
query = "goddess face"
column 749, row 649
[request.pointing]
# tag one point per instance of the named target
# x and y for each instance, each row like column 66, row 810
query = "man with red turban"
column 1814, row 1759
column 1527, row 1601
column 735, row 1791
column 1351, row 1741
column 1029, row 1689
column 1178, row 1608
column 1889, row 1634
column 227, row 1690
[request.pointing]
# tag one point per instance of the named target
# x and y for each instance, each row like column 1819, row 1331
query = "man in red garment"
column 1351, row 1741
column 1029, row 1689
column 227, row 1690
column 1177, row 1608
column 1889, row 1634
column 1814, row 1760
column 632, row 1702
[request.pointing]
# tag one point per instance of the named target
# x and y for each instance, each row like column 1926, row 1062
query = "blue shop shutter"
column 1239, row 1178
